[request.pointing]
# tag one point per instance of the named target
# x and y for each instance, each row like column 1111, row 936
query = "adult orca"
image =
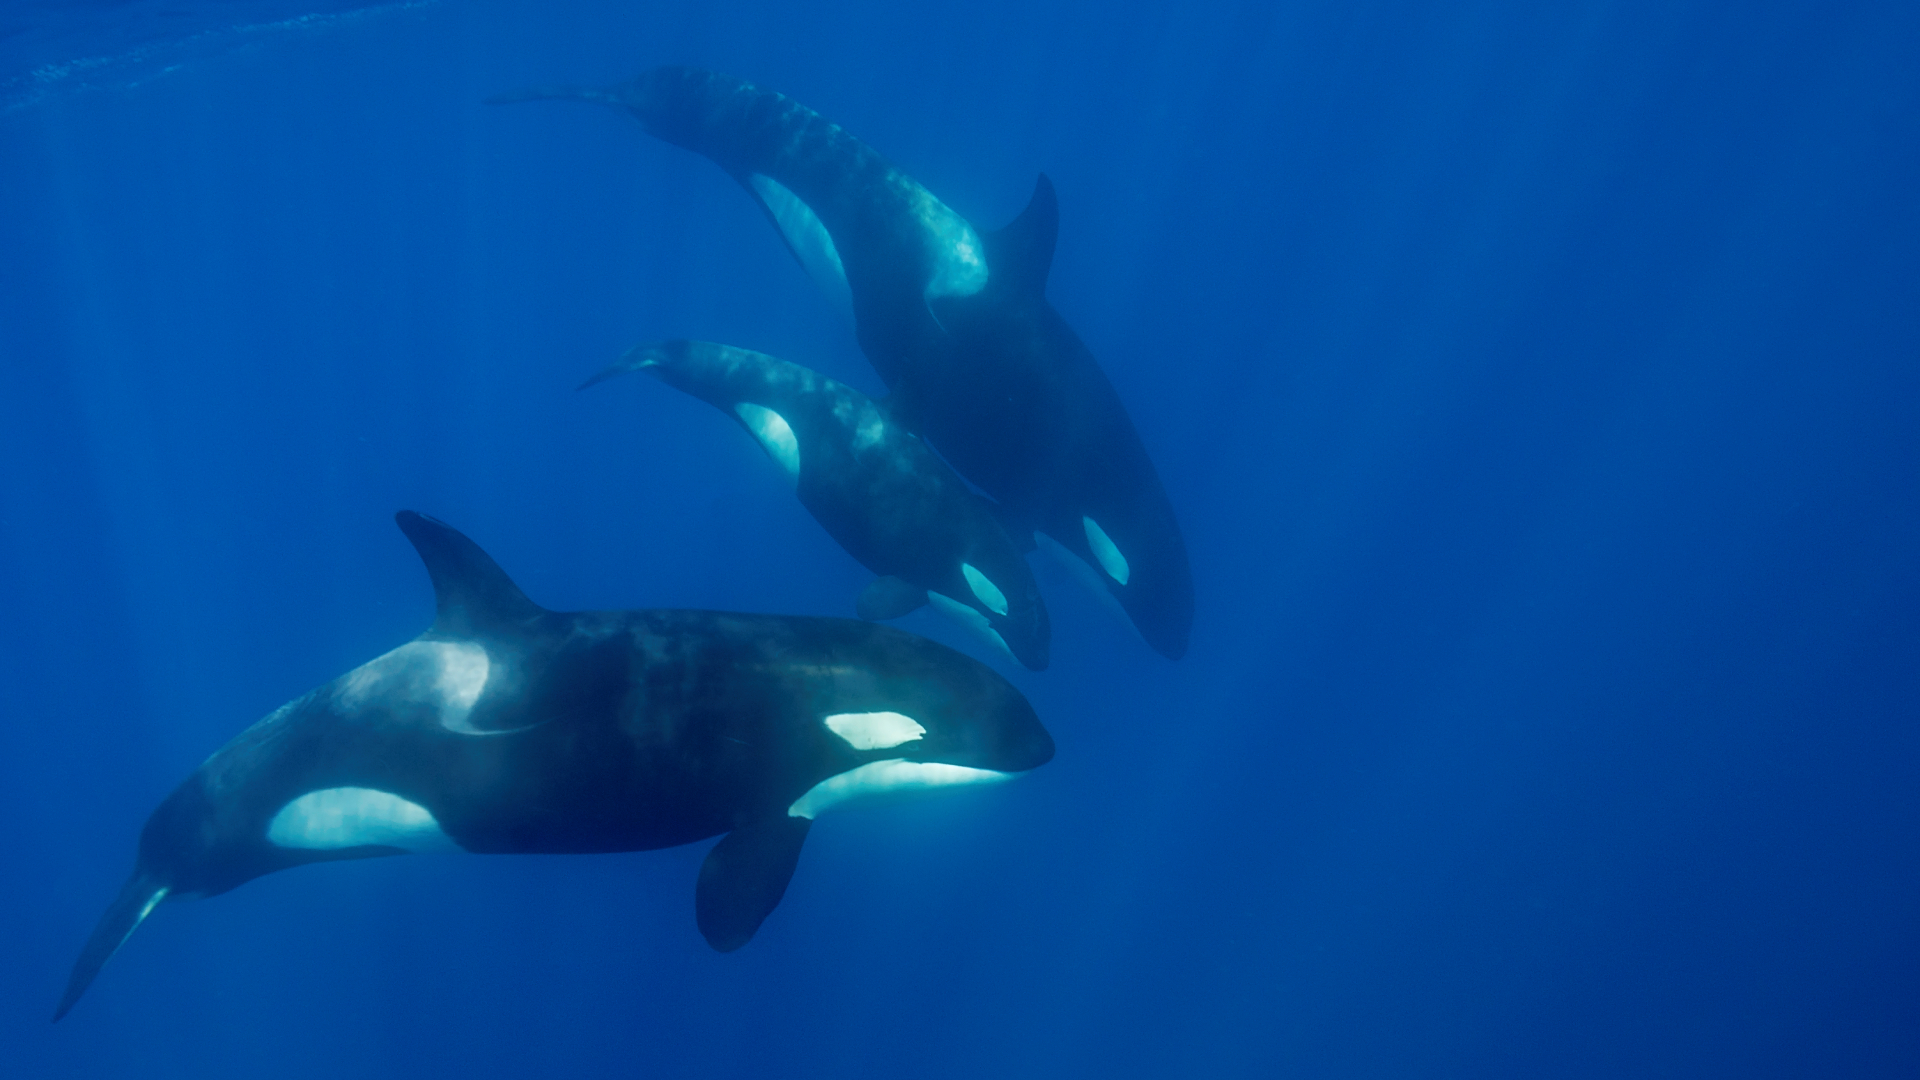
column 875, row 487
column 509, row 728
column 955, row 320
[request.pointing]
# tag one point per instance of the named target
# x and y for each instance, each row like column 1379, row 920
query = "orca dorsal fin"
column 1020, row 255
column 470, row 591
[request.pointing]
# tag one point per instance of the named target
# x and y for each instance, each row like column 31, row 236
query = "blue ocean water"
column 1538, row 387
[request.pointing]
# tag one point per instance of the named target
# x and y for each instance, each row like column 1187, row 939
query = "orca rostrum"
column 876, row 488
column 507, row 728
column 956, row 322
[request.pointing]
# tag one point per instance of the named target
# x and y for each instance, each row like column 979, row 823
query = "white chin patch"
column 809, row 239
column 986, row 590
column 347, row 817
column 450, row 675
column 1114, row 563
column 892, row 777
column 774, row 433
column 969, row 618
column 874, row 730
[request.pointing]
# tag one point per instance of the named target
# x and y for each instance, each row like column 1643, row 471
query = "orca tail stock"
column 603, row 95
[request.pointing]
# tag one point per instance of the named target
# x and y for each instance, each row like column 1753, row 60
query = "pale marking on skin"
column 451, row 675
column 959, row 259
column 971, row 619
column 985, row 589
column 1078, row 569
column 891, row 777
column 1114, row 563
column 809, row 238
column 874, row 730
column 345, row 817
column 775, row 435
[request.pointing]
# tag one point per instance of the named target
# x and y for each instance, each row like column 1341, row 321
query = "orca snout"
column 1013, row 739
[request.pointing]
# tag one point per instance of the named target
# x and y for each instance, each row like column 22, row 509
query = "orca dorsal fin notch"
column 470, row 591
column 1020, row 255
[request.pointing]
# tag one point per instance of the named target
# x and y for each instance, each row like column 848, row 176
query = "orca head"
column 999, row 601
column 932, row 719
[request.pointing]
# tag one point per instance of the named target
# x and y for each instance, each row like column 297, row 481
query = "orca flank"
column 508, row 728
column 957, row 323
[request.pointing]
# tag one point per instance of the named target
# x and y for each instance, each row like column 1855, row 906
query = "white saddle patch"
column 1114, row 563
column 809, row 238
column 969, row 618
column 895, row 776
column 451, row 675
column 986, row 590
column 775, row 435
column 345, row 817
column 874, row 730
column 959, row 260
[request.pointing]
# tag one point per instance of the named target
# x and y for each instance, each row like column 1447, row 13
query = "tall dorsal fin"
column 470, row 591
column 1019, row 255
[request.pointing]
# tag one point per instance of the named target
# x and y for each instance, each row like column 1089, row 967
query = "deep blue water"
column 1538, row 387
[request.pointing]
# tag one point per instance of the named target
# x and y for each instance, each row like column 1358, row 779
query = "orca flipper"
column 744, row 877
column 136, row 901
column 889, row 598
column 470, row 591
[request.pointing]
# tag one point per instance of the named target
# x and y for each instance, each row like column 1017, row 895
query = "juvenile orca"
column 890, row 501
column 509, row 728
column 957, row 323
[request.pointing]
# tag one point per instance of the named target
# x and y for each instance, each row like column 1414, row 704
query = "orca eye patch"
column 985, row 589
column 874, row 730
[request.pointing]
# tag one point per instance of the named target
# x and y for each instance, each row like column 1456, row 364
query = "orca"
column 878, row 490
column 956, row 322
column 508, row 728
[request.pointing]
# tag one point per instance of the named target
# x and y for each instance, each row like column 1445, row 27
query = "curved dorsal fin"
column 470, row 591
column 1020, row 255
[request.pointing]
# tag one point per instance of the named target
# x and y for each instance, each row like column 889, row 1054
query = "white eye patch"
column 986, row 590
column 1104, row 549
column 874, row 730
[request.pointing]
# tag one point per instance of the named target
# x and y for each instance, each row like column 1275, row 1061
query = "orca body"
column 957, row 323
column 508, row 728
column 875, row 487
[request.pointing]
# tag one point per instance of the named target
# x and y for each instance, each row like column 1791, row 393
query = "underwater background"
column 1538, row 387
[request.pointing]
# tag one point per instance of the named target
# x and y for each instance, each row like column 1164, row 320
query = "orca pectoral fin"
column 136, row 901
column 744, row 877
column 889, row 598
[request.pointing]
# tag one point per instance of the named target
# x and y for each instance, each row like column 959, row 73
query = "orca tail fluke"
column 136, row 901
column 637, row 358
column 601, row 94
